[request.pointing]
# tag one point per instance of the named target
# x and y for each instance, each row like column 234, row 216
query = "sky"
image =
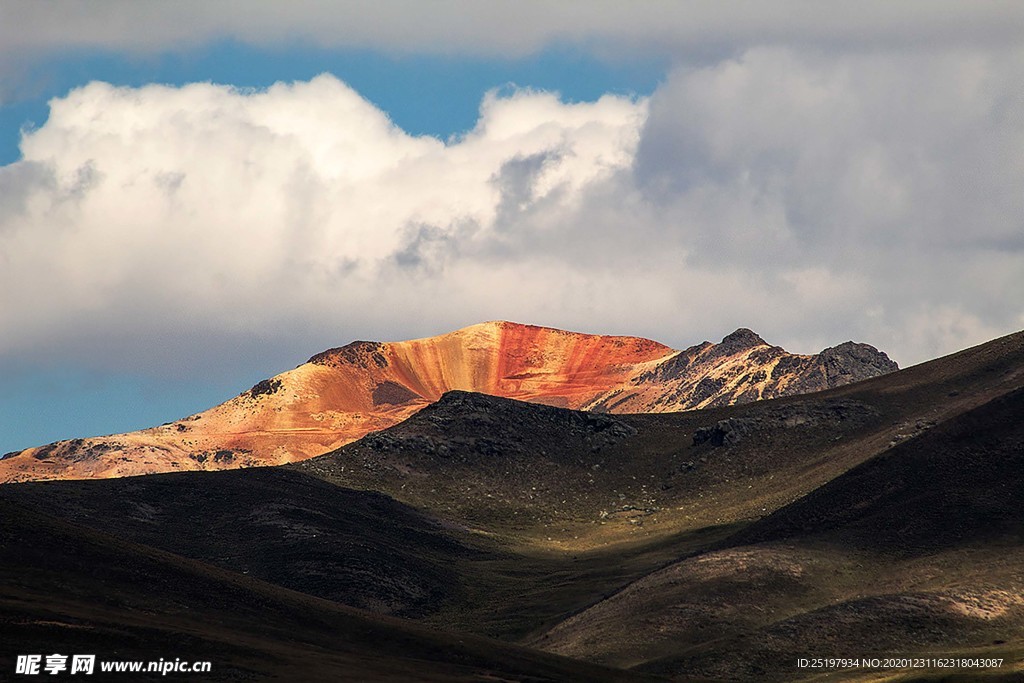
column 196, row 195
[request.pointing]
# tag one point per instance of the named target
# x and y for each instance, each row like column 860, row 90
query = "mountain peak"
column 742, row 338
column 852, row 362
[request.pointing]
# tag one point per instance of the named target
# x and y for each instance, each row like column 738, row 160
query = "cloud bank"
column 813, row 198
column 508, row 28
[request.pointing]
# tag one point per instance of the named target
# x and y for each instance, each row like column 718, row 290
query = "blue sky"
column 816, row 172
column 425, row 94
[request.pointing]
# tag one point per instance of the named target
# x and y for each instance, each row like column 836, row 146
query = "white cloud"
column 203, row 211
column 872, row 196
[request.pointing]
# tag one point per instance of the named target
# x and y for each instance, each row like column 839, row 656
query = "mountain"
column 879, row 518
column 342, row 394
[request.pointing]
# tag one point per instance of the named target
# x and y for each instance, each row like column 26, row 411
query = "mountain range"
column 344, row 393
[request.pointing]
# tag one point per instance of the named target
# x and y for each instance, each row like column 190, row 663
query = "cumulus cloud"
column 203, row 211
column 815, row 199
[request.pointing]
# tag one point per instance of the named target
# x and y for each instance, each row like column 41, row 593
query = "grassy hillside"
column 918, row 551
column 68, row 589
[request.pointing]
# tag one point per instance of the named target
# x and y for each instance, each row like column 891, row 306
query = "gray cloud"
column 884, row 178
column 508, row 27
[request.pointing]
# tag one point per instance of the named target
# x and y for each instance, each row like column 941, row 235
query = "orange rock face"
column 342, row 394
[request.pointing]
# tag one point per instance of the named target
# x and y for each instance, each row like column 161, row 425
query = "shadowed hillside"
column 355, row 547
column 959, row 484
column 80, row 591
column 917, row 551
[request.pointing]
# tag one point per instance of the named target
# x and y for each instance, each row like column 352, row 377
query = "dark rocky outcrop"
column 265, row 387
column 739, row 340
column 358, row 352
column 852, row 362
column 731, row 431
